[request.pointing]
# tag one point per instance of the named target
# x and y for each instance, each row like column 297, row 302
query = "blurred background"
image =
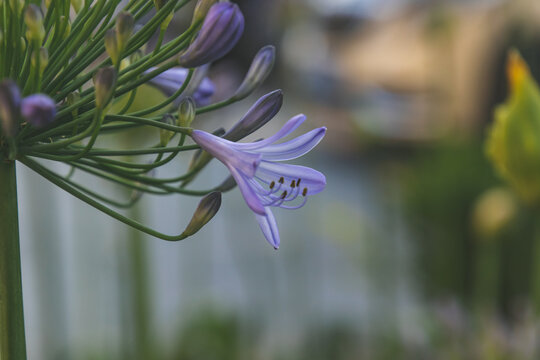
column 416, row 249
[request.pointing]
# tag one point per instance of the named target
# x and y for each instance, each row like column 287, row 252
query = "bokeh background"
column 416, row 249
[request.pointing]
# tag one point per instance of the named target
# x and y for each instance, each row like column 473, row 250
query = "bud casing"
column 208, row 207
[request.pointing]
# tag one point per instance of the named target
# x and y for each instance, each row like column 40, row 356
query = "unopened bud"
column 33, row 18
column 16, row 6
column 201, row 9
column 259, row 114
column 220, row 31
column 66, row 26
column 104, row 84
column 124, row 28
column 72, row 98
column 111, row 45
column 208, row 207
column 260, row 68
column 186, row 112
column 38, row 109
column 166, row 135
column 10, row 103
column 43, row 55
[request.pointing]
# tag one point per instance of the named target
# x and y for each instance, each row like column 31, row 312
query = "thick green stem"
column 12, row 340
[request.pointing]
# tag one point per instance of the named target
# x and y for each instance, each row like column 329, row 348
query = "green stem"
column 535, row 286
column 12, row 339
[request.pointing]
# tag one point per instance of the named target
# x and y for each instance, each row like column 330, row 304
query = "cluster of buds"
column 70, row 72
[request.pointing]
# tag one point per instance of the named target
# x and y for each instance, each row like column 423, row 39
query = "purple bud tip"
column 221, row 30
column 38, row 109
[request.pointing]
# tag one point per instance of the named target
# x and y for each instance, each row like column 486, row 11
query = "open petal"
column 221, row 149
column 293, row 148
column 248, row 192
column 285, row 130
column 269, row 228
column 311, row 179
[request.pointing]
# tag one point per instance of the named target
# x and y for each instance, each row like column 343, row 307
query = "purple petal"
column 224, row 151
column 269, row 228
column 311, row 179
column 294, row 148
column 288, row 128
column 251, row 198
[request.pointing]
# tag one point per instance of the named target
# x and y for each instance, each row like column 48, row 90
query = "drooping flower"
column 38, row 109
column 263, row 181
column 220, row 31
column 171, row 80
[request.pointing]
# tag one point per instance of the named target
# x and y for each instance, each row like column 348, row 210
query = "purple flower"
column 171, row 80
column 220, row 31
column 38, row 109
column 263, row 181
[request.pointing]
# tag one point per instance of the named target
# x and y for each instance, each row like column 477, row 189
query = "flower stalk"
column 12, row 337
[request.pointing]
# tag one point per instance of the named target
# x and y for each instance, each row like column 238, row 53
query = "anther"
column 304, row 192
column 281, row 180
column 272, row 184
column 284, row 194
column 298, row 182
column 293, row 184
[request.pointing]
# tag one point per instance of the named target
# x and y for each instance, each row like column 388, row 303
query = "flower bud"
column 71, row 99
column 38, row 109
column 513, row 143
column 33, row 18
column 200, row 88
column 201, row 9
column 260, row 68
column 208, row 207
column 166, row 135
column 77, row 5
column 259, row 114
column 111, row 45
column 16, row 6
column 493, row 211
column 10, row 102
column 220, row 31
column 124, row 28
column 186, row 112
column 43, row 59
column 104, row 84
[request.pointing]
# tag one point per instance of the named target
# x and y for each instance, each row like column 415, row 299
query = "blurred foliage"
column 441, row 194
column 513, row 144
column 210, row 335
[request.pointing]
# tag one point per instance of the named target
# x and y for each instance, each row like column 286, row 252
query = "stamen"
column 293, row 184
column 294, row 207
column 272, row 184
column 281, row 180
column 304, row 192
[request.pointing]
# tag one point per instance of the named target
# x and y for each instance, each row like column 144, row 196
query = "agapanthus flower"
column 38, row 109
column 262, row 179
column 171, row 80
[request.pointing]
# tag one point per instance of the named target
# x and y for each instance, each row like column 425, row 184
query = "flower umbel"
column 263, row 181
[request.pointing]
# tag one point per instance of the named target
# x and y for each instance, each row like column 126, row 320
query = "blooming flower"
column 171, row 80
column 263, row 181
